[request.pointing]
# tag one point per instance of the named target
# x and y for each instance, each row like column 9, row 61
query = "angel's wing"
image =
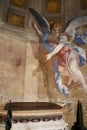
column 75, row 23
column 42, row 22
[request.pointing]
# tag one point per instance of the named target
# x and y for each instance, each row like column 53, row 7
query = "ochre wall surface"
column 25, row 75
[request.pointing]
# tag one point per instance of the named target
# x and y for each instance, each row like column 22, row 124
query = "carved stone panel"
column 19, row 3
column 53, row 6
column 15, row 19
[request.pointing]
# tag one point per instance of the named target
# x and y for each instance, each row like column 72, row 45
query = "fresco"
column 70, row 57
column 76, row 83
column 29, row 76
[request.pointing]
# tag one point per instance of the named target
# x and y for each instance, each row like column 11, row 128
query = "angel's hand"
column 38, row 31
column 48, row 56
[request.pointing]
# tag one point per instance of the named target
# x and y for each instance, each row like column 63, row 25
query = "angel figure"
column 58, row 43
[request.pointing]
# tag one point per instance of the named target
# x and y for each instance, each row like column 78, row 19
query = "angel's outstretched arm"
column 62, row 41
column 38, row 31
column 55, row 51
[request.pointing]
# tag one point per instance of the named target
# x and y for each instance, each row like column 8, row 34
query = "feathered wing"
column 75, row 23
column 42, row 22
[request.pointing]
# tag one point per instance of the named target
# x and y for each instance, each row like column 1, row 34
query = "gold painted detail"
column 53, row 6
column 19, row 3
column 15, row 19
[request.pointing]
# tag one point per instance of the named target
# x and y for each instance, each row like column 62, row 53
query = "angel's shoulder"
column 63, row 35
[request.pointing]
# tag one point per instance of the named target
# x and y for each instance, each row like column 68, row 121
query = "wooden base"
column 24, row 106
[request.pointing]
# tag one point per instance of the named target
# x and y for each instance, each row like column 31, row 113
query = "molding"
column 19, row 33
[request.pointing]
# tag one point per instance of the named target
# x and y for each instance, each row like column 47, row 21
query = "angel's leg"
column 65, row 73
column 77, row 73
column 62, row 88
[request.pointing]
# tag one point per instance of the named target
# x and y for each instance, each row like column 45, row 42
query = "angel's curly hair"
column 54, row 25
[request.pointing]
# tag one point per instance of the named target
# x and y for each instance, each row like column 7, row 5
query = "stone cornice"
column 18, row 33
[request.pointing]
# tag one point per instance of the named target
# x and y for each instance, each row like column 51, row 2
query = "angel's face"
column 56, row 28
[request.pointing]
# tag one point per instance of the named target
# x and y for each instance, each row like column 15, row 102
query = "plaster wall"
column 24, row 73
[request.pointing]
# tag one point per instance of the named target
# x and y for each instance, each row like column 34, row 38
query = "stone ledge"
column 22, row 34
column 29, row 109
